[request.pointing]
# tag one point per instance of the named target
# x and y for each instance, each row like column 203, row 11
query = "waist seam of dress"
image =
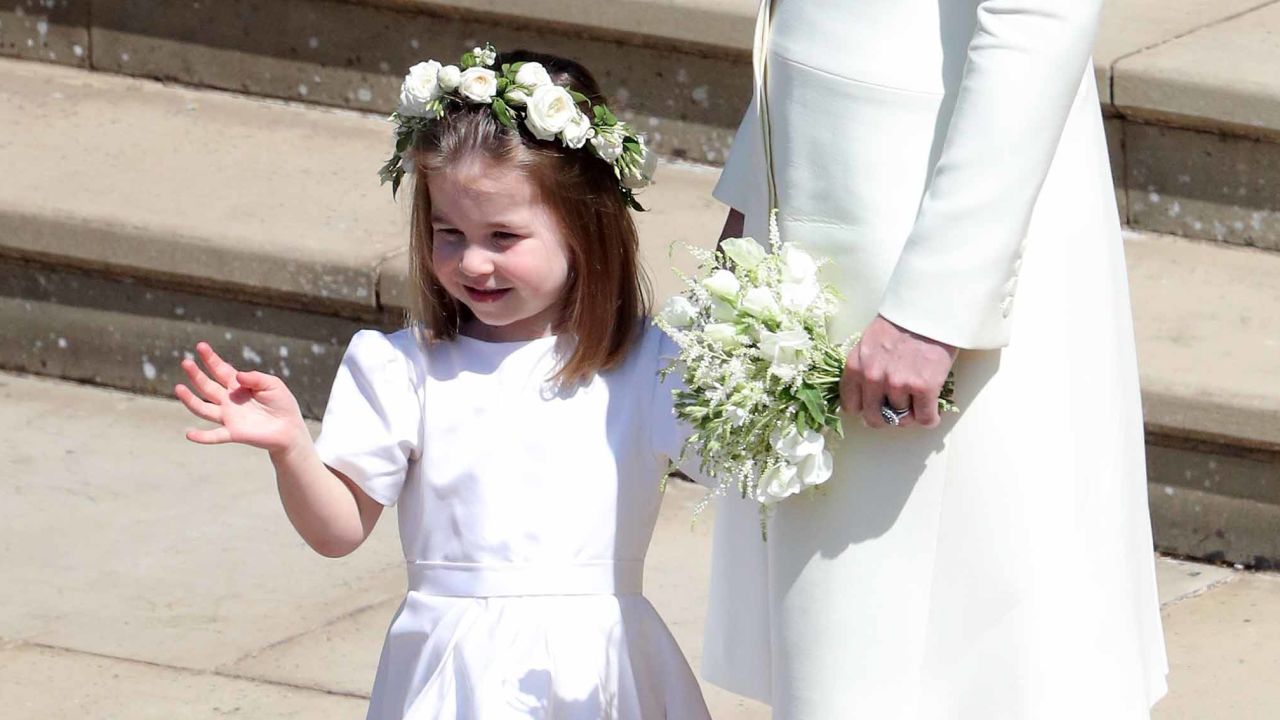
column 856, row 81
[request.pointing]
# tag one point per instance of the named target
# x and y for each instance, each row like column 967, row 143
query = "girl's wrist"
column 290, row 453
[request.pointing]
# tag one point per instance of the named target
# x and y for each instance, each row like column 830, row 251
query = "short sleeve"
column 372, row 425
column 742, row 182
column 668, row 432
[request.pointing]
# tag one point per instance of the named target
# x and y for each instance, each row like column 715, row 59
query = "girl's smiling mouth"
column 486, row 296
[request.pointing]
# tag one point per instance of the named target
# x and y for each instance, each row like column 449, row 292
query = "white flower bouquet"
column 761, row 376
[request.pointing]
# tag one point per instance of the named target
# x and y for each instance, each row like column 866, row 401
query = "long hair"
column 607, row 291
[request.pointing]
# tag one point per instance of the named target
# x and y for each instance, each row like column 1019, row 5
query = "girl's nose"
column 476, row 262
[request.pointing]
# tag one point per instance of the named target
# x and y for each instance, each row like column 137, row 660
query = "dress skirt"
column 1001, row 565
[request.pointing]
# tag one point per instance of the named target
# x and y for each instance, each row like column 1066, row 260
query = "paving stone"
column 47, row 30
column 51, row 684
column 132, row 542
column 1178, row 580
column 1224, row 650
column 1220, row 76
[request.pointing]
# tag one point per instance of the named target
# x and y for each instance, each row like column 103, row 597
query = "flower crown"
column 520, row 93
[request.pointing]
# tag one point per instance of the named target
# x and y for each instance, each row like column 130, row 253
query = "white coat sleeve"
column 372, row 426
column 955, row 278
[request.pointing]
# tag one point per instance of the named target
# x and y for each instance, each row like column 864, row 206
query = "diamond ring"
column 892, row 415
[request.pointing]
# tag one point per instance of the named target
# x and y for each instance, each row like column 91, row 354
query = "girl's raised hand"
column 253, row 408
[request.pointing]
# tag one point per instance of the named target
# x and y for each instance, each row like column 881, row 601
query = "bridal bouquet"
column 761, row 375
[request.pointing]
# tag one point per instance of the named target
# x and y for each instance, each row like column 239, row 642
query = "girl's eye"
column 507, row 237
column 448, row 234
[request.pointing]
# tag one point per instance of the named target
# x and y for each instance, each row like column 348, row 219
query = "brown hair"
column 607, row 291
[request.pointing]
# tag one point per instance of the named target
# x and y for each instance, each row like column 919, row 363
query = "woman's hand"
column 253, row 408
column 892, row 363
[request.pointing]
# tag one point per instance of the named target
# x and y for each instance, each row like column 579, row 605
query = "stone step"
column 1189, row 87
column 145, row 217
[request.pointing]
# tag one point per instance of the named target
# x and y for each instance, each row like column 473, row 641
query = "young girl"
column 519, row 424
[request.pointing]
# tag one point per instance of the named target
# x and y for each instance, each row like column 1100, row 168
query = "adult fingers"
column 199, row 408
column 925, row 405
column 872, row 396
column 208, row 389
column 212, row 436
column 222, row 370
column 899, row 398
column 851, row 385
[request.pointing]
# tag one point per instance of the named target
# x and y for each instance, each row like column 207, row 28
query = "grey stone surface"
column 128, row 334
column 55, row 31
column 1213, row 505
column 1114, row 128
column 1224, row 650
column 1132, row 26
column 1222, row 76
column 1203, row 185
column 355, row 55
column 251, row 197
column 1207, row 323
column 1178, row 580
column 54, row 684
column 129, row 541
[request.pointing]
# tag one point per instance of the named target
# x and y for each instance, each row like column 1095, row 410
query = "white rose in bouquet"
column 722, row 311
column 723, row 284
column 780, row 481
column 577, row 132
column 759, row 303
column 798, row 266
column 420, row 87
column 551, row 109
column 786, row 351
column 744, row 252
column 678, row 312
column 808, row 453
column 478, row 84
column 724, row 335
column 449, row 77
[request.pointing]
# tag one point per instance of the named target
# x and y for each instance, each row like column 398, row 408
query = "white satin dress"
column 525, row 515
column 948, row 157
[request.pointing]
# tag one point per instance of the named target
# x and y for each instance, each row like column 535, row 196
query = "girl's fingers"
column 199, row 408
column 212, row 436
column 222, row 370
column 254, row 380
column 208, row 389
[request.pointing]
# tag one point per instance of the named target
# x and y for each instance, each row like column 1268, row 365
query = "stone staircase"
column 236, row 201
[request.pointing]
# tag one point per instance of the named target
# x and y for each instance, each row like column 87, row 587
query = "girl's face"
column 498, row 249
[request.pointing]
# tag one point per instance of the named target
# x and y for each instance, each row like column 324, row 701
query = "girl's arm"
column 330, row 512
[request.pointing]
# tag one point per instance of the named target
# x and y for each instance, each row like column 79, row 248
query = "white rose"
column 608, row 143
column 484, row 55
column 745, row 252
column 760, row 303
column 798, row 266
column 679, row 312
column 551, row 109
column 529, row 77
column 478, row 84
column 577, row 132
column 722, row 284
column 724, row 335
column 798, row 296
column 808, row 453
column 785, row 350
column 722, row 311
column 420, row 86
column 449, row 77
column 779, row 481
